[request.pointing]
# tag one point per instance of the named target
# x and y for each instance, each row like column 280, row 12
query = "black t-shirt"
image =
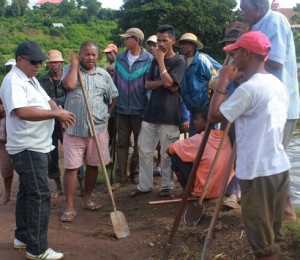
column 164, row 107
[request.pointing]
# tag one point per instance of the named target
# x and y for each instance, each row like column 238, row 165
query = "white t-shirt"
column 18, row 91
column 131, row 59
column 259, row 108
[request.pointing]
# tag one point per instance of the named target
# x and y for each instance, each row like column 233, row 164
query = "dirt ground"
column 91, row 235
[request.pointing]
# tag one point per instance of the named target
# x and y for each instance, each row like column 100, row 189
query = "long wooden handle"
column 214, row 163
column 96, row 140
column 160, row 202
column 187, row 191
column 219, row 201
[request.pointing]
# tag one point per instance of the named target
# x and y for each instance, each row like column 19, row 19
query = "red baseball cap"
column 111, row 47
column 253, row 41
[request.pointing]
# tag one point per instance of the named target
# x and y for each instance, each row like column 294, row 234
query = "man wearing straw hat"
column 79, row 144
column 51, row 83
column 200, row 70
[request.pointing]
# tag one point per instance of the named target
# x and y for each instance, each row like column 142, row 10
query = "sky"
column 115, row 4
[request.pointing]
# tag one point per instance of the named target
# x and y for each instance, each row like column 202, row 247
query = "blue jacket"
column 195, row 81
column 131, row 84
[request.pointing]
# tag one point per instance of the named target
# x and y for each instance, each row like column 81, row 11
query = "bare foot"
column 289, row 213
column 4, row 199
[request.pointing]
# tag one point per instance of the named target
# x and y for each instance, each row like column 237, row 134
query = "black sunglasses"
column 33, row 62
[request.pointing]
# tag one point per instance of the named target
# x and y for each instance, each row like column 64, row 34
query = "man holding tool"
column 259, row 108
column 79, row 146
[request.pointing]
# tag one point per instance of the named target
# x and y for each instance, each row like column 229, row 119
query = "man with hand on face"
column 162, row 117
column 79, row 144
column 281, row 63
column 29, row 116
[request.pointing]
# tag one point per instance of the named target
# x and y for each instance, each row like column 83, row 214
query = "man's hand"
column 67, row 118
column 228, row 73
column 185, row 126
column 159, row 55
column 75, row 59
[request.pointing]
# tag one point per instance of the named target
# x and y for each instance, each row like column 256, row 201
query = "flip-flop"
column 68, row 216
column 56, row 194
column 229, row 204
column 136, row 192
column 91, row 206
column 165, row 193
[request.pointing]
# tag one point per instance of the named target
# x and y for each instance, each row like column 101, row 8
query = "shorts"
column 262, row 201
column 6, row 168
column 80, row 150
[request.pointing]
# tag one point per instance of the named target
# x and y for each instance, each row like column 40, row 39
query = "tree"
column 65, row 7
column 92, row 7
column 3, row 4
column 23, row 5
column 15, row 8
column 205, row 18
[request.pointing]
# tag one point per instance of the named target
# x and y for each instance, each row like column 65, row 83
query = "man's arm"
column 111, row 107
column 36, row 114
column 70, row 81
column 226, row 74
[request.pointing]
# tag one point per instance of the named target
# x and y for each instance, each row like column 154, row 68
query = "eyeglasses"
column 33, row 62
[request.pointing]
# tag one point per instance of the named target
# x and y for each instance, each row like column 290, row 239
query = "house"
column 57, row 25
column 41, row 2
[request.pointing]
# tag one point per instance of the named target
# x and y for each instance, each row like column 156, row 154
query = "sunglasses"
column 33, row 62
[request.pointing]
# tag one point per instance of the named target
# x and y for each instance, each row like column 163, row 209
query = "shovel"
column 118, row 220
column 193, row 213
column 219, row 202
column 187, row 190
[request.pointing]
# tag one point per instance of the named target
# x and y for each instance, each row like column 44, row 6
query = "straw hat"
column 190, row 37
column 54, row 56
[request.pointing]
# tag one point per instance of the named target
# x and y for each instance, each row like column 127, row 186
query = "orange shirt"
column 187, row 150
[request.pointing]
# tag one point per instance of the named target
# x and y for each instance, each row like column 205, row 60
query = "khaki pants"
column 148, row 140
column 126, row 124
column 262, row 201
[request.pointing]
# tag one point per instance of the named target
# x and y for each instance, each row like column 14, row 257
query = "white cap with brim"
column 11, row 62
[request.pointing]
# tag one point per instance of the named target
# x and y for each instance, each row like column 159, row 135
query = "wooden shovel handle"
column 214, row 163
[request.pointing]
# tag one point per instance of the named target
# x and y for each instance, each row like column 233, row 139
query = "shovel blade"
column 193, row 214
column 119, row 223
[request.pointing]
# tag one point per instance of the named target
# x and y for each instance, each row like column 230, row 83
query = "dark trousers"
column 53, row 166
column 126, row 124
column 33, row 200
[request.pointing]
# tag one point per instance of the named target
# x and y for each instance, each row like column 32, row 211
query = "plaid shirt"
column 100, row 91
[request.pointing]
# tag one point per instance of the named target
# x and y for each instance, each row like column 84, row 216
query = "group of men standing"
column 124, row 90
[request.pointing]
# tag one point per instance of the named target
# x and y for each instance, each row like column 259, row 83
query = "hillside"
column 39, row 28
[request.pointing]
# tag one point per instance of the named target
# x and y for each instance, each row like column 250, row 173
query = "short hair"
column 265, row 5
column 203, row 112
column 166, row 29
column 88, row 43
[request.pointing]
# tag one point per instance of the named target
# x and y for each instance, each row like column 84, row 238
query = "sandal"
column 68, row 216
column 91, row 206
column 229, row 204
column 56, row 194
column 165, row 193
column 136, row 192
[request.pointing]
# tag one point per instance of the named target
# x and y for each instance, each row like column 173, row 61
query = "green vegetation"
column 87, row 20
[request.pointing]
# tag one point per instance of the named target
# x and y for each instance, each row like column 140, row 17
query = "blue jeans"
column 33, row 200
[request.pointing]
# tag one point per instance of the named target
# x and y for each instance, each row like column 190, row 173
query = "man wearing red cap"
column 281, row 63
column 111, row 52
column 259, row 108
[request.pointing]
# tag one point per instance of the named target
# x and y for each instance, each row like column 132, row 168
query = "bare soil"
column 90, row 236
